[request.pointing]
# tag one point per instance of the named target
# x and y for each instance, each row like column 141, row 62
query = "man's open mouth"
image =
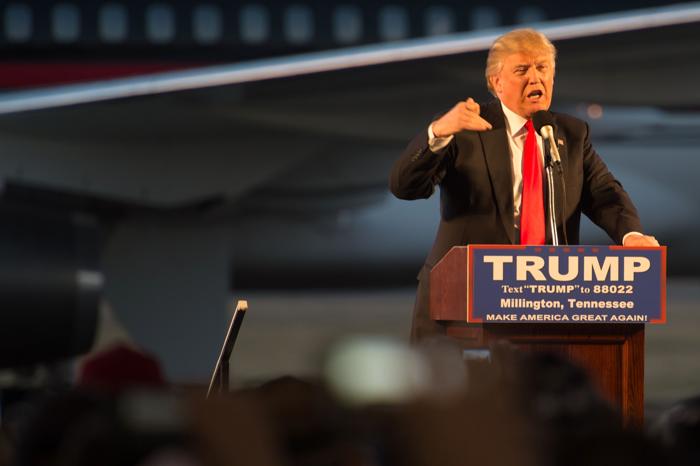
column 534, row 95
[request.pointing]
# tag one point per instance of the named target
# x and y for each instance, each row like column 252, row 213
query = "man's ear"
column 495, row 83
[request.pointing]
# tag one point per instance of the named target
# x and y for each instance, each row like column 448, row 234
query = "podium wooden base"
column 612, row 354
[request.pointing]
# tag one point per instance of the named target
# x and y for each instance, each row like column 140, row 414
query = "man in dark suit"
column 488, row 162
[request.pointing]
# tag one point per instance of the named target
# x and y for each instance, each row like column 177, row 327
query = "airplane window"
column 439, row 20
column 347, row 24
column 393, row 23
column 298, row 24
column 18, row 22
column 160, row 23
column 484, row 17
column 113, row 22
column 530, row 14
column 207, row 24
column 254, row 23
column 65, row 22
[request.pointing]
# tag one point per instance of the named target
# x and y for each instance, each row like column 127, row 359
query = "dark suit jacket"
column 475, row 177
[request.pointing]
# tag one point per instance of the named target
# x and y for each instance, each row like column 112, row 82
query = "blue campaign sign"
column 567, row 284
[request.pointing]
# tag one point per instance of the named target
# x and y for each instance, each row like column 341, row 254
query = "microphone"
column 544, row 124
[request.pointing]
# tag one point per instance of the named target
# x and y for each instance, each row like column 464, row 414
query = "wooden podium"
column 612, row 354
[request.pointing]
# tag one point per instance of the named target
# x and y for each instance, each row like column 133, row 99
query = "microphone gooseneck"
column 543, row 121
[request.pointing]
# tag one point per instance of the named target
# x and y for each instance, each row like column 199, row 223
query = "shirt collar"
column 514, row 122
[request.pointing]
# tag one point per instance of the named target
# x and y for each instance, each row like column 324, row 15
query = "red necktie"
column 532, row 208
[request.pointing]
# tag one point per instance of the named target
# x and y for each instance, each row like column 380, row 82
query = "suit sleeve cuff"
column 437, row 144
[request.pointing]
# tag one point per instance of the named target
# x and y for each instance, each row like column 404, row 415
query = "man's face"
column 525, row 83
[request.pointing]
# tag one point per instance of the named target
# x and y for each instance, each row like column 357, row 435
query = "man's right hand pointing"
column 463, row 116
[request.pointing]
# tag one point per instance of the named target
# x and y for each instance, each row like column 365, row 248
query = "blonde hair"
column 527, row 41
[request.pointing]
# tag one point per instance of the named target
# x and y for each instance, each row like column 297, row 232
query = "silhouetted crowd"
column 510, row 408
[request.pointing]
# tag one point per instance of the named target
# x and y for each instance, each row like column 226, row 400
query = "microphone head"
column 542, row 118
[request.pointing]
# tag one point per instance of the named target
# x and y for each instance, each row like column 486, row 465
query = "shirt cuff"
column 635, row 233
column 436, row 144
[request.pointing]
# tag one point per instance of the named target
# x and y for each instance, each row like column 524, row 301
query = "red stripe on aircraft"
column 25, row 75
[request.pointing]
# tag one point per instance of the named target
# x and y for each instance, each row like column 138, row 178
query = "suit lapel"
column 561, row 144
column 498, row 162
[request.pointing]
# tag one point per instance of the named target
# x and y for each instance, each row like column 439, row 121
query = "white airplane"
column 272, row 172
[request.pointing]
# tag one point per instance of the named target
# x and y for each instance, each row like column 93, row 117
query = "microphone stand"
column 551, row 205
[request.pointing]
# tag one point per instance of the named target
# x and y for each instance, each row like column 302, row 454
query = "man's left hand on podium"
column 639, row 240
